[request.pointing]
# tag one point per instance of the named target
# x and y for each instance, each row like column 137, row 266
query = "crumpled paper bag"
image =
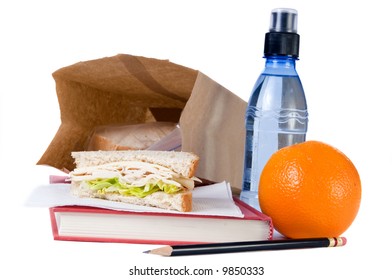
column 126, row 89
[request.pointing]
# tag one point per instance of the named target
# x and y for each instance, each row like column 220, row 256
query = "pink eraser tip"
column 344, row 240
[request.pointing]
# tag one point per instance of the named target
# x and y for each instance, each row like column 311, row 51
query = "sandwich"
column 129, row 137
column 163, row 179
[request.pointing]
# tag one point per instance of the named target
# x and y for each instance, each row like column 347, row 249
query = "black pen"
column 247, row 246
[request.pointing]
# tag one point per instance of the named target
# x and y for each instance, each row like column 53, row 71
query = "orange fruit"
column 310, row 190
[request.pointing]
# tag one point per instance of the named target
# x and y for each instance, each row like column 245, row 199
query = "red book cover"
column 89, row 224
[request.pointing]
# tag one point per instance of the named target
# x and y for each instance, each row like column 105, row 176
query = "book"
column 91, row 224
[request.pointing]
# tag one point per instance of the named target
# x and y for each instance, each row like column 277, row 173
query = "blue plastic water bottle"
column 277, row 114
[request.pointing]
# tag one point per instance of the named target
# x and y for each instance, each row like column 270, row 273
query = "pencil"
column 247, row 246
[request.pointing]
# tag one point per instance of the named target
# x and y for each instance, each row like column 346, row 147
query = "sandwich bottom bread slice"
column 163, row 179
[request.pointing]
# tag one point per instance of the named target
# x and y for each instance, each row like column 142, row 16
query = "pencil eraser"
column 344, row 240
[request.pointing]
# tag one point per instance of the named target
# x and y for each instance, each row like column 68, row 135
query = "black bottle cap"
column 278, row 43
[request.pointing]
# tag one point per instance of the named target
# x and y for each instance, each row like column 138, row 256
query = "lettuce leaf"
column 113, row 185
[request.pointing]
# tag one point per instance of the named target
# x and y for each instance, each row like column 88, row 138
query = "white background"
column 345, row 66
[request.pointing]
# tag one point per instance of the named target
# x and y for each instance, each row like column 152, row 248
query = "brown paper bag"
column 126, row 89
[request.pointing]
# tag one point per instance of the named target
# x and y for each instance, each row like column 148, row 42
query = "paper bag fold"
column 212, row 125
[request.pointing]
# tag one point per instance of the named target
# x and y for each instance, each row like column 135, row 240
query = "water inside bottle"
column 276, row 117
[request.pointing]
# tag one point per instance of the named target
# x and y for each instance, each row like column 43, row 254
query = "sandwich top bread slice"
column 162, row 179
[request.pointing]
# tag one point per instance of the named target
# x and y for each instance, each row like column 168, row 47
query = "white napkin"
column 213, row 199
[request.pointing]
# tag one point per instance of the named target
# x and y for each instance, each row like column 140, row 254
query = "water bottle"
column 276, row 115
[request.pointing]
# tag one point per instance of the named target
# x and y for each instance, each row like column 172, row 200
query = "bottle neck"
column 280, row 65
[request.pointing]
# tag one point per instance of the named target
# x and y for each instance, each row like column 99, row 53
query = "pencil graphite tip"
column 147, row 252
